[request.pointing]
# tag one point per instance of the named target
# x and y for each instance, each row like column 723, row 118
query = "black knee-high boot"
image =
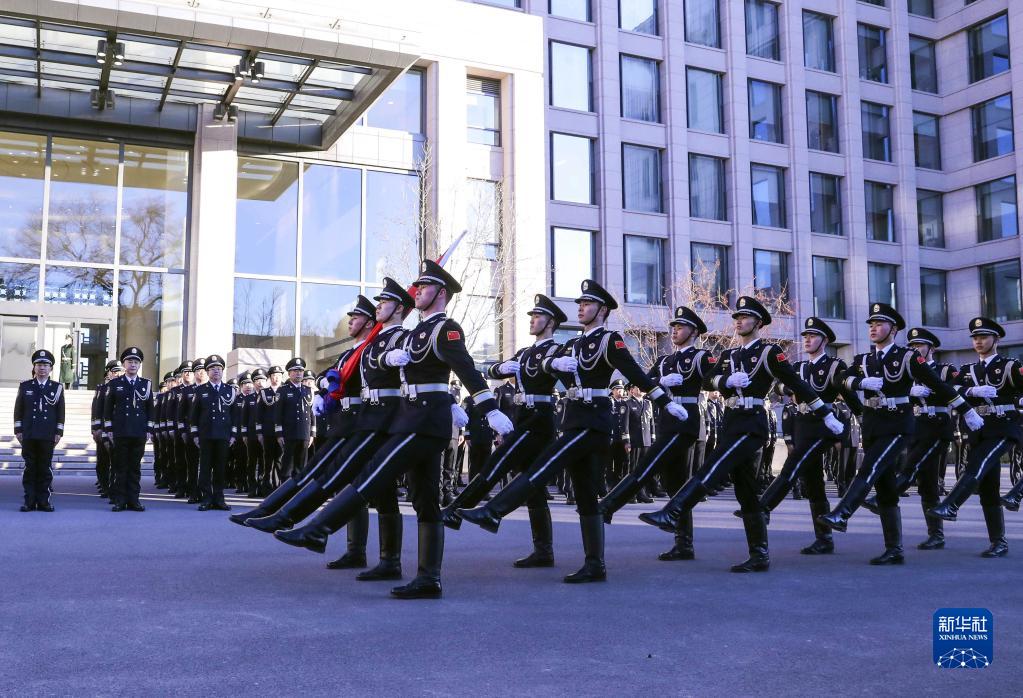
column 274, row 501
column 313, row 536
column 543, row 539
column 823, row 543
column 426, row 585
column 838, row 520
column 295, row 510
column 759, row 559
column 389, row 566
column 994, row 517
column 358, row 533
column 685, row 499
column 949, row 509
column 891, row 526
column 470, row 496
column 593, row 569
column 622, row 493
column 1011, row 501
column 488, row 516
column 683, row 548
column 935, row 527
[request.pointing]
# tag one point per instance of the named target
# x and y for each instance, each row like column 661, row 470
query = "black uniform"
column 621, row 443
column 266, row 410
column 102, row 447
column 38, row 424
column 248, row 433
column 188, row 455
column 211, row 421
column 294, row 422
column 128, row 415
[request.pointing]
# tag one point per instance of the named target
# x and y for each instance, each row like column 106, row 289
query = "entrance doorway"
column 81, row 348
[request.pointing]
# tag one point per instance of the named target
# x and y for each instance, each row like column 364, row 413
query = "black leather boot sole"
column 752, row 565
column 677, row 553
column 534, row 559
column 819, row 547
column 419, row 588
column 349, row 561
column 932, row 543
column 999, row 549
column 451, row 518
column 889, row 557
column 317, row 543
column 385, row 571
column 481, row 517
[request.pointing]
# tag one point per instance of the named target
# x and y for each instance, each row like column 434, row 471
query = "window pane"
column 881, row 283
column 765, row 112
column 150, row 315
column 762, row 30
column 707, row 188
column 876, row 131
column 926, row 141
column 571, row 9
column 996, row 209
column 822, row 121
column 264, row 314
column 818, row 41
column 267, row 223
column 924, row 8
column 83, row 201
column 572, row 168
column 930, row 218
column 19, row 282
column 703, row 25
column 154, row 207
column 1000, row 291
column 923, row 66
column 392, row 226
column 703, row 95
column 709, row 265
column 331, row 222
column 571, row 260
column 571, row 79
column 483, row 218
column 644, row 270
column 992, row 128
column 771, row 273
column 400, row 107
column 989, row 48
column 640, row 98
column 768, row 196
column 324, row 322
column 641, row 178
column 638, row 16
column 828, row 288
column 78, row 286
column 933, row 298
column 22, row 170
column 483, row 102
column 479, row 319
column 872, row 49
column 880, row 212
column 825, row 204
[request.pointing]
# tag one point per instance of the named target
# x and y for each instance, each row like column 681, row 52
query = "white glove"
column 397, row 357
column 499, row 422
column 677, row 411
column 920, row 391
column 739, row 379
column 565, row 364
column 834, row 426
column 871, row 384
column 510, row 366
column 988, row 391
column 973, row 420
column 317, row 405
column 459, row 416
column 671, row 380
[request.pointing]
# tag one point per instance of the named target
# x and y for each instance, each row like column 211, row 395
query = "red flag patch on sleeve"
column 454, row 336
column 619, row 344
column 920, row 360
column 781, row 357
column 712, row 359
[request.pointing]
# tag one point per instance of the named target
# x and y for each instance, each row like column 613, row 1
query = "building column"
column 212, row 235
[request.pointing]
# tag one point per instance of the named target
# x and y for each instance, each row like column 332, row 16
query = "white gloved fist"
column 499, row 422
column 317, row 405
column 871, row 384
column 739, row 379
column 920, row 391
column 677, row 411
column 973, row 420
column 459, row 416
column 397, row 357
column 671, row 380
column 510, row 366
column 833, row 424
column 988, row 391
column 565, row 364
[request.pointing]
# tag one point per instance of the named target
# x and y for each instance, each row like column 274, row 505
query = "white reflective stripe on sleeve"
column 482, row 396
column 957, row 401
column 655, row 393
column 849, row 383
column 816, row 404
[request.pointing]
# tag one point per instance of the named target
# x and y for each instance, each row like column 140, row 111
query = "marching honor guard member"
column 113, row 370
column 681, row 374
column 128, row 417
column 585, row 363
column 213, row 433
column 745, row 376
column 992, row 386
column 38, row 427
column 886, row 376
column 419, row 433
column 534, row 430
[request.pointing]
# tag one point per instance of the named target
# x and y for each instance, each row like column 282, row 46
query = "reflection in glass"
column 709, row 266
column 644, row 270
column 571, row 260
column 154, row 207
column 83, row 201
column 641, row 178
column 829, row 287
column 400, row 107
column 707, row 188
column 771, row 273
column 571, row 9
column 19, row 282
column 78, row 286
column 479, row 319
column 930, row 218
column 331, row 222
column 571, row 78
column 1000, row 292
column 933, row 297
column 22, row 170
column 150, row 315
column 267, row 221
column 638, row 16
column 703, row 24
column 825, row 204
column 704, row 100
column 996, row 209
column 324, row 322
column 392, row 226
column 571, row 168
column 264, row 314
column 640, row 89
column 882, row 283
column 768, row 196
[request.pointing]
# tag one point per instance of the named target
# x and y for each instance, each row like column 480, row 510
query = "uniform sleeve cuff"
column 482, row 396
column 816, row 404
column 957, row 402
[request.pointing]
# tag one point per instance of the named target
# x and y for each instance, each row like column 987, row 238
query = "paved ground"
column 174, row 601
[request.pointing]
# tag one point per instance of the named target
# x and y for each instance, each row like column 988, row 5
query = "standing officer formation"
column 38, row 427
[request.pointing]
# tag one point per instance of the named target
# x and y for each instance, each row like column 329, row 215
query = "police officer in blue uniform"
column 534, row 430
column 294, row 422
column 993, row 386
column 621, row 436
column 886, row 375
column 38, row 427
column 213, row 431
column 113, row 370
column 179, row 431
column 418, row 434
column 249, row 431
column 161, row 440
column 745, row 376
column 190, row 483
column 129, row 419
column 585, row 363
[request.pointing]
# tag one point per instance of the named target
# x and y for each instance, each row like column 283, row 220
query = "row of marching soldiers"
column 402, row 419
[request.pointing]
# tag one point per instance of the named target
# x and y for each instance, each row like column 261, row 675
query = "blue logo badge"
column 963, row 638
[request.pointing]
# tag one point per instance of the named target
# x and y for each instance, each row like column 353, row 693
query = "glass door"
column 17, row 344
column 81, row 348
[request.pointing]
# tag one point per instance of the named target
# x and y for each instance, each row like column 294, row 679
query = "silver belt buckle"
column 364, row 393
column 572, row 393
column 518, row 399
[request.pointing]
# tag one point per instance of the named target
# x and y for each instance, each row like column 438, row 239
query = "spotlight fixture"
column 101, row 51
column 257, row 71
column 118, row 53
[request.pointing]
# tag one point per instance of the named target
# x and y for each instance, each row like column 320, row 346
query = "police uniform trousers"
column 180, row 463
column 451, row 466
column 192, row 468
column 419, row 458
column 271, row 463
column 805, row 463
column 618, row 465
column 38, row 474
column 670, row 456
column 254, row 460
column 293, row 457
column 213, row 457
column 479, row 452
column 735, row 458
column 102, row 465
column 926, row 455
column 985, row 466
column 127, row 466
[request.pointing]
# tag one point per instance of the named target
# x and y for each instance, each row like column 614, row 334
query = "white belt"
column 529, row 399
column 929, row 410
column 804, row 408
column 891, row 403
column 586, row 394
column 746, row 403
column 347, row 402
column 373, row 395
column 997, row 410
column 685, row 400
column 412, row 390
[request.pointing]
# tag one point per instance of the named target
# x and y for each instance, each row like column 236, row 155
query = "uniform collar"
column 543, row 341
column 750, row 344
column 432, row 315
column 883, row 351
column 820, row 357
column 42, row 383
column 989, row 359
column 598, row 327
column 215, row 386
